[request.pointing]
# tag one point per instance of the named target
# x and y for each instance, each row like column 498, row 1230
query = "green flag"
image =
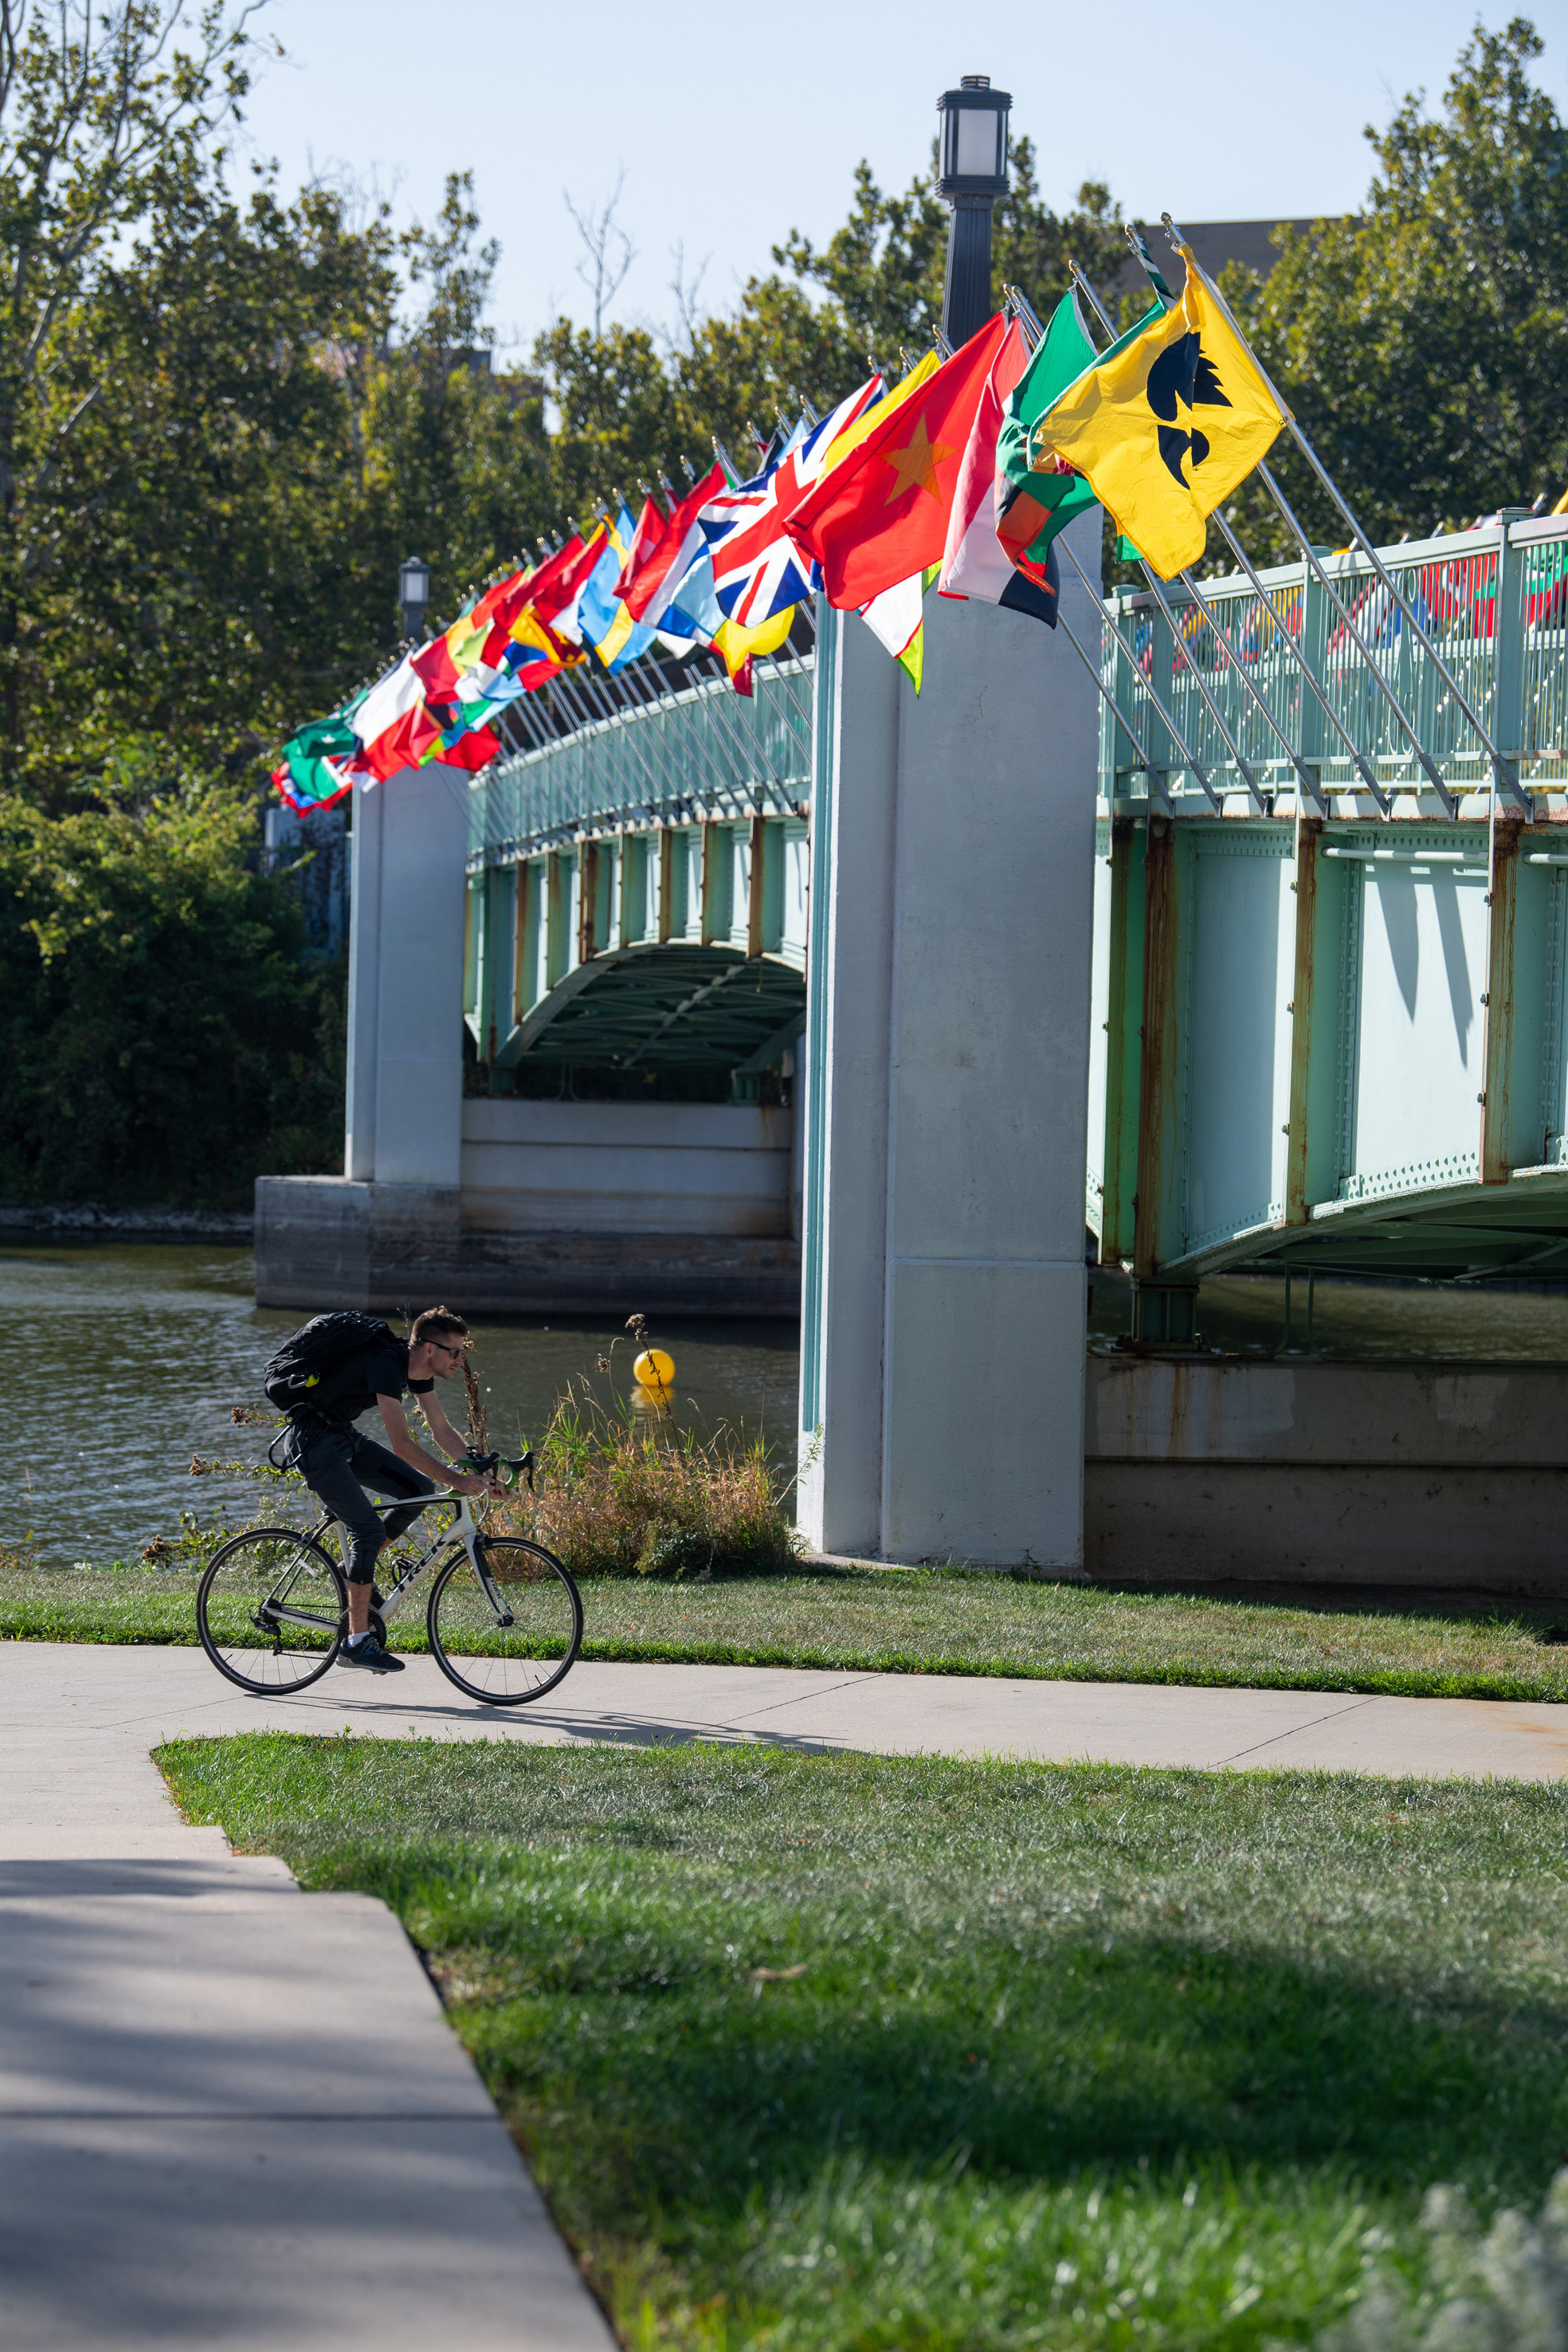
column 307, row 774
column 1037, row 505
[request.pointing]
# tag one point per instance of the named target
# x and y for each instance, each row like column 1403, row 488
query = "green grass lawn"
column 935, row 1622
column 849, row 2054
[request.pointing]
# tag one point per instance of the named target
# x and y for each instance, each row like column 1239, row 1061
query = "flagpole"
column 753, row 754
column 1434, row 776
column 1178, row 735
column 777, row 668
column 778, row 780
column 1156, row 787
column 1358, row 757
column 608, row 719
column 706, row 752
column 1210, row 705
column 1503, row 777
column 1032, row 327
column 1433, row 773
column 1304, row 774
column 732, row 715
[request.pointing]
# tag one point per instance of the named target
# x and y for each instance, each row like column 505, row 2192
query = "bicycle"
column 504, row 1618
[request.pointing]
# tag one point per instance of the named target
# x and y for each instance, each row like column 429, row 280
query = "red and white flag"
column 974, row 562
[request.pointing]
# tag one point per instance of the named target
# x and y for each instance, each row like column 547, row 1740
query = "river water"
column 127, row 1358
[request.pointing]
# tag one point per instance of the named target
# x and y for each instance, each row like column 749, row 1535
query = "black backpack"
column 319, row 1347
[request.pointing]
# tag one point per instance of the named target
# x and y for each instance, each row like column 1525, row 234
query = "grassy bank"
column 933, row 1622
column 823, row 2053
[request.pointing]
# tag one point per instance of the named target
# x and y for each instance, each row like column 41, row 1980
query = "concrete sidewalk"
column 79, row 1716
column 230, row 2113
column 233, row 2112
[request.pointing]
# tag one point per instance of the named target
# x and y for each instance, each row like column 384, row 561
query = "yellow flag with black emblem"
column 1166, row 428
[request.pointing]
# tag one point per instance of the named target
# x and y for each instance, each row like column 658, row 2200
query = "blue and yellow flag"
column 602, row 616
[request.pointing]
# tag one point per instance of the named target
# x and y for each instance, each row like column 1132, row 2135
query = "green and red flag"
column 1036, row 494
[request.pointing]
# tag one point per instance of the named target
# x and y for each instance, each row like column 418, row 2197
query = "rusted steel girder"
column 1122, row 1042
column 1497, row 1157
column 1156, row 1205
column 1308, row 830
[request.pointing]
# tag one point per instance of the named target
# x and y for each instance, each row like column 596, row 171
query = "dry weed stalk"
column 622, row 1497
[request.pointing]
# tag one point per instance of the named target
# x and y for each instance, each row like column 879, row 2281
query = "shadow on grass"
column 1042, row 2052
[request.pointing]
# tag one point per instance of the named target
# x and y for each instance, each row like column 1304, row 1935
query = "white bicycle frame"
column 465, row 1529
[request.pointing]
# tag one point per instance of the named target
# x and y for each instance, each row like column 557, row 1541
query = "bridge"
column 839, row 1000
column 637, row 890
column 1329, row 1030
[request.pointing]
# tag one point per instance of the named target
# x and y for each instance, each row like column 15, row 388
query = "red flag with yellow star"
column 881, row 514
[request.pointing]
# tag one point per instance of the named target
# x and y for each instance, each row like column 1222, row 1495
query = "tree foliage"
column 225, row 417
column 164, row 1036
column 1423, row 345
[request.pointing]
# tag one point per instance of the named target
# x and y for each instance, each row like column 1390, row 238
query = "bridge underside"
column 657, row 1008
column 1332, row 1046
column 1467, row 1233
column 671, row 953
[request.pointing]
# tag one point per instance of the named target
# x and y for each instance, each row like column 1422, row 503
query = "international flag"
column 550, row 584
column 382, row 721
column 896, row 619
column 739, row 648
column 651, row 526
column 757, row 567
column 602, row 621
column 1037, row 494
column 475, row 639
column 881, row 514
column 462, row 747
column 653, row 588
column 974, row 561
column 690, row 613
column 318, row 764
column 557, row 605
column 1165, row 427
column 849, row 436
column 532, row 653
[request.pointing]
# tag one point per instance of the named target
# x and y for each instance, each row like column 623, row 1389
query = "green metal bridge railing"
column 659, row 759
column 1493, row 599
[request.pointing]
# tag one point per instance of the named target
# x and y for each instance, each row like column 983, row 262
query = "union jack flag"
column 758, row 571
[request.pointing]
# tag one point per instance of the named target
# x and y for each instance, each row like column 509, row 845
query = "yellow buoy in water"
column 654, row 1369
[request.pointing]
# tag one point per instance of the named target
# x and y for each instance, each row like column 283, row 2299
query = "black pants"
column 338, row 1464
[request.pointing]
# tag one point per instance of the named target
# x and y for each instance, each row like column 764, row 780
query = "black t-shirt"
column 351, row 1387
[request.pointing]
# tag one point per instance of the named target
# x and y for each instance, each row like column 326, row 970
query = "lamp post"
column 414, row 594
column 973, row 174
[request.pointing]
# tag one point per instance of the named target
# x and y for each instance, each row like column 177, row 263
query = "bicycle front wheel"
column 272, row 1611
column 509, row 1634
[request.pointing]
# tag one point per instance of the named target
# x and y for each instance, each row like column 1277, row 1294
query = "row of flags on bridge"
column 964, row 474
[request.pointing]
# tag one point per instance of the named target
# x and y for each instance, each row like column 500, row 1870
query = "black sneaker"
column 368, row 1652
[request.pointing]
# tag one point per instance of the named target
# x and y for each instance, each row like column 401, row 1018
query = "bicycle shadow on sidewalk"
column 376, row 1718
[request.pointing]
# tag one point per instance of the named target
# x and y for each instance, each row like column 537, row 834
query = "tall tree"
column 1423, row 345
column 94, row 107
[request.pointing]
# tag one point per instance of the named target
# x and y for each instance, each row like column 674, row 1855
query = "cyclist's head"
column 439, row 1328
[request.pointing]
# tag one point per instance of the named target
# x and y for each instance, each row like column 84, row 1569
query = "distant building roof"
column 1215, row 242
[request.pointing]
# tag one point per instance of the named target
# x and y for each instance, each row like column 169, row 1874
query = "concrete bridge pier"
column 390, row 1226
column 947, row 1070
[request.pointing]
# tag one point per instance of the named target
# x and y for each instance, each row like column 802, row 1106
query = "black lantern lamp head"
column 974, row 150
column 971, row 172
column 414, row 594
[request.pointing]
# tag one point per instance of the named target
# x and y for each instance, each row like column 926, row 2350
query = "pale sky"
column 734, row 125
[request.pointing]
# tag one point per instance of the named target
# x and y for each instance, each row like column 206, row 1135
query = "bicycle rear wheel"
column 272, row 1611
column 515, row 1640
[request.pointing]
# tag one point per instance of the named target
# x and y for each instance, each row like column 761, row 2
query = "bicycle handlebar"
column 485, row 1464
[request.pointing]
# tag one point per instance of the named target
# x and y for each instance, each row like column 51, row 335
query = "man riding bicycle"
column 338, row 1462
